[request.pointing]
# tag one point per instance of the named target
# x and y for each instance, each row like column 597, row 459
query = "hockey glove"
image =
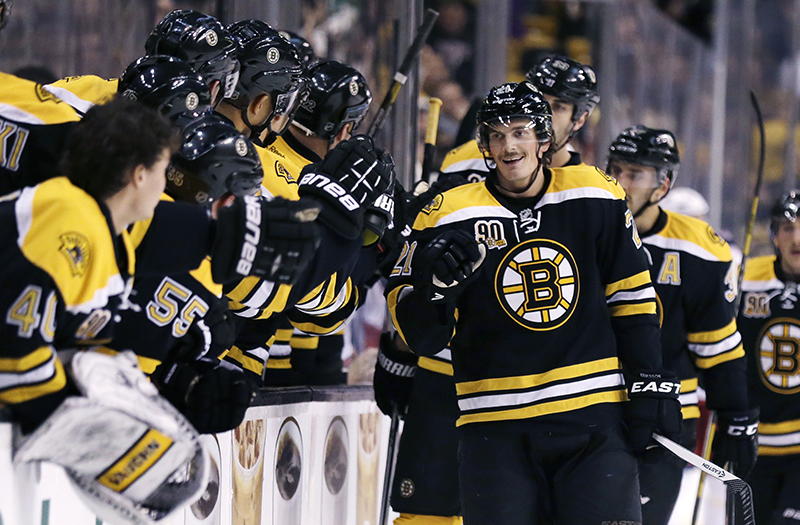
column 350, row 177
column 394, row 375
column 735, row 445
column 212, row 397
column 378, row 217
column 653, row 406
column 208, row 336
column 273, row 239
column 447, row 265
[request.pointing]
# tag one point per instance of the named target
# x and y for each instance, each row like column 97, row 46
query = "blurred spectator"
column 38, row 74
column 453, row 39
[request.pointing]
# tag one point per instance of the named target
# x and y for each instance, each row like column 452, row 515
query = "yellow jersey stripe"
column 784, row 427
column 712, row 336
column 32, row 360
column 632, row 309
column 27, row 390
column 248, row 363
column 629, row 283
column 543, row 409
column 522, row 382
column 279, row 363
column 434, row 365
column 708, row 362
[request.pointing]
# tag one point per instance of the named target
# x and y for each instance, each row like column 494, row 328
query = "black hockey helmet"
column 786, row 208
column 202, row 42
column 512, row 101
column 303, row 47
column 567, row 79
column 643, row 146
column 269, row 64
column 167, row 85
column 338, row 95
column 214, row 159
column 5, row 12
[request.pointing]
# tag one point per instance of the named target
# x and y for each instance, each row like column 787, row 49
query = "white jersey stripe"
column 624, row 295
column 38, row 375
column 780, row 440
column 682, row 245
column 710, row 350
column 512, row 400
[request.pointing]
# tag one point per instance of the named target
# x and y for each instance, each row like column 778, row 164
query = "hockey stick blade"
column 737, row 489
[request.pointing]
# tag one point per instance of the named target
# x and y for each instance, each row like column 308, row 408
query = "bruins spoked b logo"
column 537, row 284
column 779, row 355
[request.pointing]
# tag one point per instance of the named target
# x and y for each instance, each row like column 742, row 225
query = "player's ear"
column 580, row 122
column 260, row 105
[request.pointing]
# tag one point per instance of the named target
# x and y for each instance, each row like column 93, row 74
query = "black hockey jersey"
column 161, row 309
column 769, row 321
column 33, row 129
column 563, row 301
column 64, row 274
column 695, row 280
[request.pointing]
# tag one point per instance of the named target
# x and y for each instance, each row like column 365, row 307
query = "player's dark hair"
column 111, row 141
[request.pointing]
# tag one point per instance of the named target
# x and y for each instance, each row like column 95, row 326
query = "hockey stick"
column 737, row 489
column 748, row 234
column 748, row 237
column 388, row 477
column 435, row 106
column 402, row 74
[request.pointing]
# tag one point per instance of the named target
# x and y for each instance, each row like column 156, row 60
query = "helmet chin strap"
column 255, row 131
column 646, row 205
column 566, row 141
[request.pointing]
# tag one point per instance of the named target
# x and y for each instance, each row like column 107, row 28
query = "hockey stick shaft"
column 748, row 233
column 434, row 108
column 737, row 489
column 693, row 459
column 401, row 76
column 708, row 438
column 388, row 477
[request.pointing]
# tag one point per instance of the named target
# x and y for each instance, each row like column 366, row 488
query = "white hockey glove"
column 131, row 454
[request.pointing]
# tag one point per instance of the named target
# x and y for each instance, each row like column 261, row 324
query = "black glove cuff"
column 738, row 424
column 393, row 361
column 660, row 384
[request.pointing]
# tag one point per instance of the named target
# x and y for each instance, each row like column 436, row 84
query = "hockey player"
column 420, row 493
column 179, row 324
column 571, row 90
column 271, row 83
column 66, row 257
column 537, row 280
column 202, row 42
column 694, row 277
column 338, row 100
column 36, row 125
column 769, row 320
column 326, row 288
